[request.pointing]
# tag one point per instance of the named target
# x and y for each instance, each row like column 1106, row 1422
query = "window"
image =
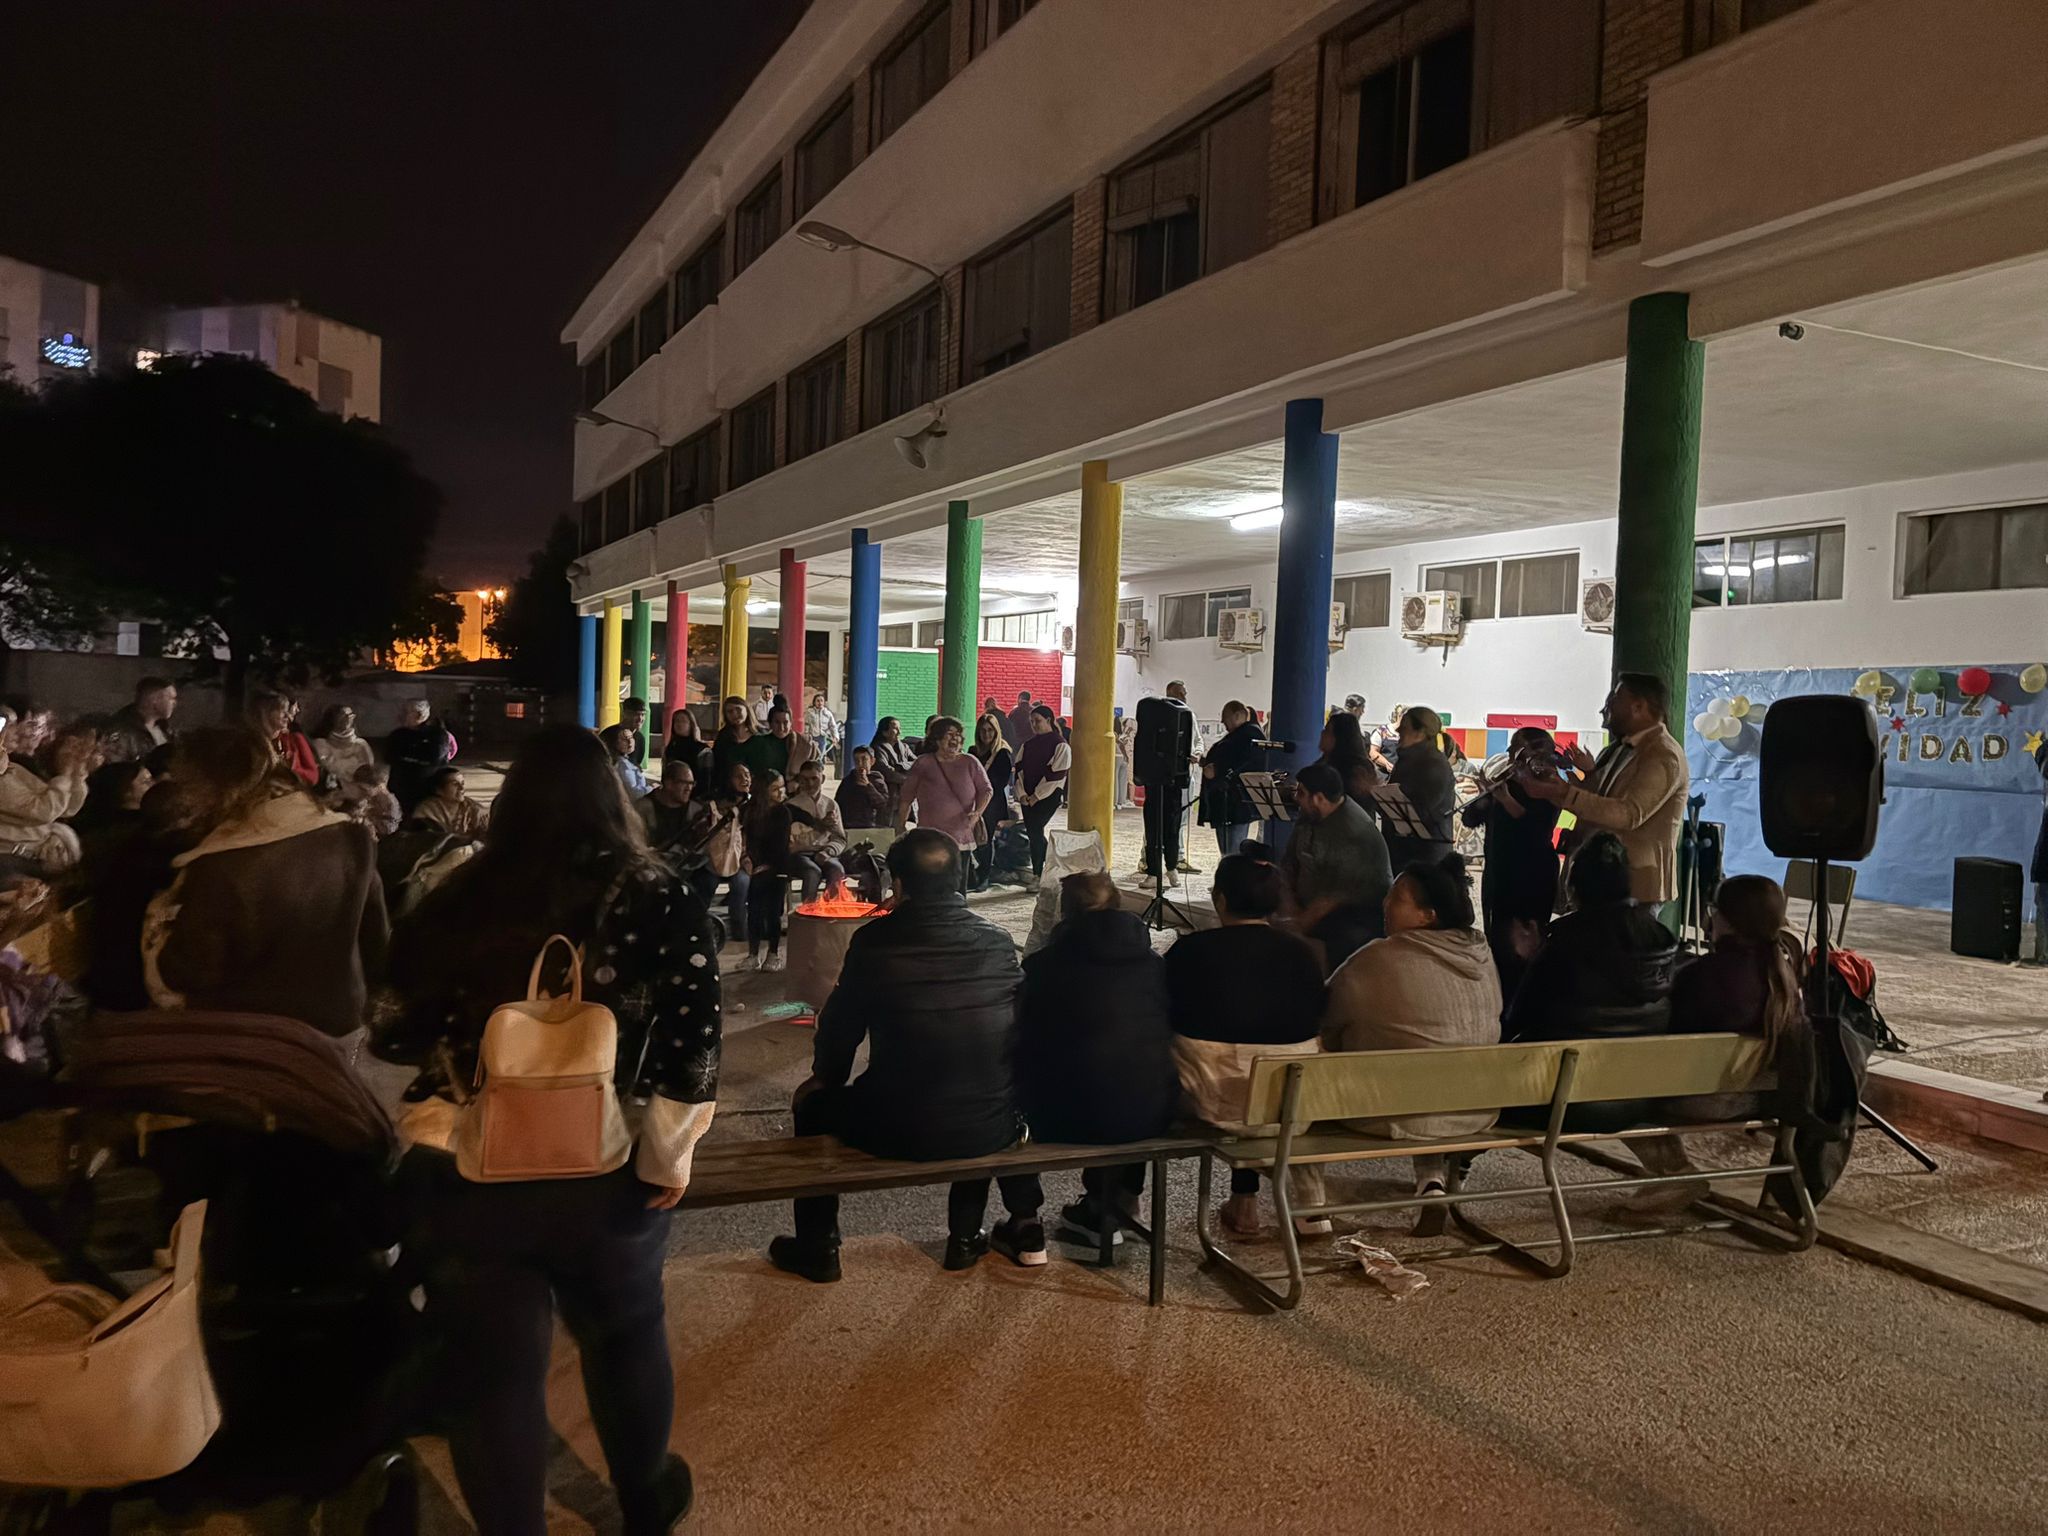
column 753, row 438
column 1192, row 208
column 650, row 492
column 697, row 282
column 1474, row 585
column 912, row 72
column 929, row 632
column 900, row 361
column 623, row 355
column 591, row 515
column 1405, row 102
column 817, row 404
column 1539, row 584
column 1367, row 599
column 2001, row 549
column 1193, row 615
column 757, row 222
column 693, row 470
column 618, row 510
column 1130, row 610
column 654, row 323
column 1040, row 628
column 823, row 159
column 1019, row 300
column 1796, row 565
column 594, row 386
column 899, row 636
column 992, row 18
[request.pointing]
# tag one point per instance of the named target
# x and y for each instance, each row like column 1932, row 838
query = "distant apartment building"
column 49, row 322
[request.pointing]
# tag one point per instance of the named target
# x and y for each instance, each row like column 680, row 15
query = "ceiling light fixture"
column 1257, row 522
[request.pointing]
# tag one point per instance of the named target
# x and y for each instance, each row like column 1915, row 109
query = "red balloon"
column 1975, row 682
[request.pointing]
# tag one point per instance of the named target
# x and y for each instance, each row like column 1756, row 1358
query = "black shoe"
column 965, row 1252
column 794, row 1256
column 1432, row 1220
column 1081, row 1222
column 1021, row 1240
column 667, row 1507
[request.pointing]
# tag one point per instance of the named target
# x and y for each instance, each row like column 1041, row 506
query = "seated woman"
column 447, row 806
column 1235, row 993
column 1747, row 982
column 1606, row 967
column 1093, row 1058
column 1429, row 982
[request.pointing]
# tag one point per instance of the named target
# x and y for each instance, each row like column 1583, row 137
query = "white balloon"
column 1704, row 724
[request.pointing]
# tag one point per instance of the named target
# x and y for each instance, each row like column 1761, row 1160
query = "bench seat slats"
column 741, row 1172
column 1341, row 1146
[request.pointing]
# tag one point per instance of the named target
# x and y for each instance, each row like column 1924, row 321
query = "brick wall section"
column 854, row 354
column 950, row 315
column 1291, row 191
column 1641, row 37
column 1089, row 204
column 962, row 41
column 1002, row 671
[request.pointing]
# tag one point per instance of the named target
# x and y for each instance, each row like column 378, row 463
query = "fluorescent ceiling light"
column 1254, row 522
column 760, row 605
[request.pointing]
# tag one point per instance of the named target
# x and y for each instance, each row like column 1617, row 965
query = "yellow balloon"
column 1868, row 682
column 2035, row 678
column 1738, row 706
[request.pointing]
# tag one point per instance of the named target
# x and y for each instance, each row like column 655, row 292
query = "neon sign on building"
column 66, row 351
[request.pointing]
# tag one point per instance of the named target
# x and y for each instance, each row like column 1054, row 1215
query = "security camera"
column 1792, row 330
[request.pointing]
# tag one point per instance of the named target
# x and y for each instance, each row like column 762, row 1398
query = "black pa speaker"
column 1820, row 779
column 1165, row 741
column 1985, row 918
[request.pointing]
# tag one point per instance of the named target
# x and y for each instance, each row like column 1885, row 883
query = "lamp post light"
column 599, row 419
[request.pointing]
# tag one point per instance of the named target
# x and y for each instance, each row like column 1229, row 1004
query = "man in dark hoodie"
column 1094, row 1053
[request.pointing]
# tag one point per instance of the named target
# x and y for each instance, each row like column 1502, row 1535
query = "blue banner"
column 1960, row 777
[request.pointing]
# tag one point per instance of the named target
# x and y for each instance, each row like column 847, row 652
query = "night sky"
column 451, row 174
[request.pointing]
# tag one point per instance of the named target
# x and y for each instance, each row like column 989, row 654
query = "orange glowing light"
column 842, row 908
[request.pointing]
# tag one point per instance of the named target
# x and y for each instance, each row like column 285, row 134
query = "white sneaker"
column 751, row 963
column 1172, row 880
column 773, row 962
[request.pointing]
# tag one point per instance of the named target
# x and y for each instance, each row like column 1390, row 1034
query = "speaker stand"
column 1817, row 1004
column 1162, row 908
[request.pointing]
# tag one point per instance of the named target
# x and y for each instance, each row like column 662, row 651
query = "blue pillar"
column 1300, row 625
column 586, row 671
column 863, row 637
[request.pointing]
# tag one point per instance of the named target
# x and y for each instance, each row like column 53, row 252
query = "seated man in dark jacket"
column 931, row 988
column 1605, row 968
column 1094, row 1042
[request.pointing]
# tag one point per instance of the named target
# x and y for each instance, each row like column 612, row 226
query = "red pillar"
column 789, row 647
column 675, row 651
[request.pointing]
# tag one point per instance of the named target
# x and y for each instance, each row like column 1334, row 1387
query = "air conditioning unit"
column 1067, row 639
column 1338, row 628
column 1134, row 637
column 1596, row 604
column 1241, row 629
column 1430, row 616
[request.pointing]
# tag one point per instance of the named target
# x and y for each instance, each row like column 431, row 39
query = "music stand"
column 1266, row 796
column 1398, row 813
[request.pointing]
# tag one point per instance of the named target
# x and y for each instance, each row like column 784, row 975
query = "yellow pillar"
column 1091, row 785
column 732, row 651
column 608, row 679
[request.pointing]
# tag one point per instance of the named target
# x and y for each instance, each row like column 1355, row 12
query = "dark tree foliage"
column 536, row 624
column 209, row 495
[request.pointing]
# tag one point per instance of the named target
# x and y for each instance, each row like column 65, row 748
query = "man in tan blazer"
column 1636, row 788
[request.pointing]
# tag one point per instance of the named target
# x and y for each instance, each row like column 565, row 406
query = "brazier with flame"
column 819, row 932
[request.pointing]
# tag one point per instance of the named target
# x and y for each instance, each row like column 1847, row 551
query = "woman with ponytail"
column 1747, row 983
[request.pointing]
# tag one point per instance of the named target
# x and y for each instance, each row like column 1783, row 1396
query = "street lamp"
column 830, row 237
column 599, row 419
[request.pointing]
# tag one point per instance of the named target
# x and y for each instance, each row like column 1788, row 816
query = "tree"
column 433, row 623
column 211, row 496
column 536, row 624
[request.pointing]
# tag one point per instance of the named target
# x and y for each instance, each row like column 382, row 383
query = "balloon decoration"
column 1867, row 683
column 1926, row 680
column 2035, row 678
column 1974, row 682
column 1722, row 720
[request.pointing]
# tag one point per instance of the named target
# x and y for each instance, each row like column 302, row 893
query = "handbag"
column 543, row 1105
column 95, row 1394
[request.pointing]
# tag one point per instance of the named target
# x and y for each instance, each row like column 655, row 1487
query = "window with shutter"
column 753, row 438
column 757, row 222
column 697, row 282
column 900, row 361
column 817, row 409
column 1192, row 208
column 693, row 470
column 913, row 71
column 824, row 158
column 1018, row 298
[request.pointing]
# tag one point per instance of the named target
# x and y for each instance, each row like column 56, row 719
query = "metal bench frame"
column 1274, row 1156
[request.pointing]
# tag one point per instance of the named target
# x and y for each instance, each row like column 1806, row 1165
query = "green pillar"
column 1660, row 474
column 957, row 673
column 640, row 648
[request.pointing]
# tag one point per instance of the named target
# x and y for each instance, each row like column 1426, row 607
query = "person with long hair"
column 1747, row 982
column 686, row 743
column 1423, row 773
column 1606, row 967
column 741, row 740
column 893, row 756
column 1430, row 982
column 1042, row 766
column 994, row 756
column 948, row 790
column 278, row 908
column 1344, row 748
column 767, row 832
column 564, row 855
column 271, row 714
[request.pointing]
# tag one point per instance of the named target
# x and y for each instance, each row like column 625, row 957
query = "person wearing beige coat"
column 1635, row 789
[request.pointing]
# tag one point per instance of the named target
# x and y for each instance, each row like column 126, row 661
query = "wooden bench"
column 752, row 1172
column 1302, row 1095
